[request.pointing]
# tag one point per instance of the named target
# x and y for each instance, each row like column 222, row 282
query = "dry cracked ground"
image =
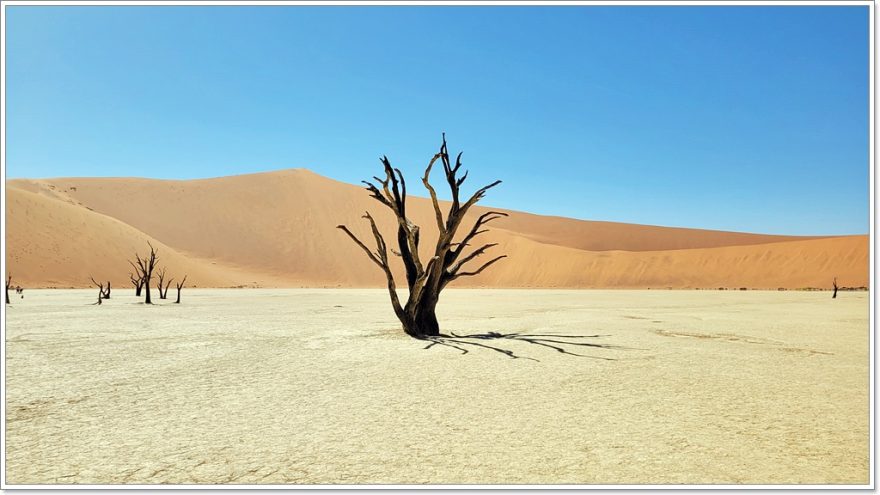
column 535, row 386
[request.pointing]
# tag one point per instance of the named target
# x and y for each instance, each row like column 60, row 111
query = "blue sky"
column 733, row 118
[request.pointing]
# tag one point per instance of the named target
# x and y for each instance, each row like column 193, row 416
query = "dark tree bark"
column 144, row 268
column 834, row 296
column 8, row 283
column 105, row 293
column 163, row 292
column 138, row 284
column 426, row 281
column 180, row 286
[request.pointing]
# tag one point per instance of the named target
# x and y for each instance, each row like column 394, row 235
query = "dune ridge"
column 277, row 229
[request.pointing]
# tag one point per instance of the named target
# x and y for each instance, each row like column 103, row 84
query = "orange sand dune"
column 51, row 243
column 277, row 229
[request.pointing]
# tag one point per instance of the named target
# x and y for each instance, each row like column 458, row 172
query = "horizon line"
column 548, row 215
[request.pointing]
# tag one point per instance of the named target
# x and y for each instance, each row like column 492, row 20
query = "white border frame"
column 660, row 3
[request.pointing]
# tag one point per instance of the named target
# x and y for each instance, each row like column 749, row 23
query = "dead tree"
column 426, row 280
column 8, row 284
column 144, row 268
column 180, row 286
column 138, row 283
column 163, row 293
column 834, row 296
column 105, row 293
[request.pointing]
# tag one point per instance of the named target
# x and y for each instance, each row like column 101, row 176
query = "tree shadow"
column 557, row 342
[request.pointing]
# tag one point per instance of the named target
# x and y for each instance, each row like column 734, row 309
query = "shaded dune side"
column 52, row 243
column 794, row 264
column 278, row 229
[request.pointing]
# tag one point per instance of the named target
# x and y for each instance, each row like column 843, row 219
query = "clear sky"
column 734, row 118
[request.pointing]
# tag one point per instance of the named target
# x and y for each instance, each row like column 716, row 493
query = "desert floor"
column 321, row 386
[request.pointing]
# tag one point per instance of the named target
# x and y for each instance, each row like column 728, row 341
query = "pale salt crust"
column 321, row 386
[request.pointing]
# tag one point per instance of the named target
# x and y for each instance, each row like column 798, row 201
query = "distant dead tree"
column 163, row 293
column 138, row 283
column 425, row 281
column 144, row 268
column 105, row 293
column 8, row 284
column 180, row 286
column 834, row 283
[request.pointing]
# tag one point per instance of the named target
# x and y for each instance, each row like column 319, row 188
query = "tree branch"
column 479, row 195
column 437, row 212
column 452, row 270
column 475, row 231
column 450, row 178
column 141, row 266
column 381, row 248
column 382, row 260
column 478, row 270
column 361, row 244
column 376, row 194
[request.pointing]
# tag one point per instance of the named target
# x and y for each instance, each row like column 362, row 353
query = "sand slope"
column 59, row 244
column 277, row 229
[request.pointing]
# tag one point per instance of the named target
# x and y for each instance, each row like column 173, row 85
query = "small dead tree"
column 8, row 284
column 180, row 286
column 144, row 268
column 138, row 283
column 163, row 293
column 105, row 293
column 834, row 283
column 426, row 280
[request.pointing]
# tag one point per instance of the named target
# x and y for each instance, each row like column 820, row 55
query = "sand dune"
column 277, row 229
column 59, row 244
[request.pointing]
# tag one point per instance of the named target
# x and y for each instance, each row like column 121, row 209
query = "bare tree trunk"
column 147, row 299
column 8, row 283
column 104, row 293
column 138, row 284
column 160, row 274
column 144, row 267
column 163, row 292
column 421, row 319
column 180, row 286
column 425, row 281
column 834, row 296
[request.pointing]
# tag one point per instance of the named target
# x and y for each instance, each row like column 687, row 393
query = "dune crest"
column 277, row 229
